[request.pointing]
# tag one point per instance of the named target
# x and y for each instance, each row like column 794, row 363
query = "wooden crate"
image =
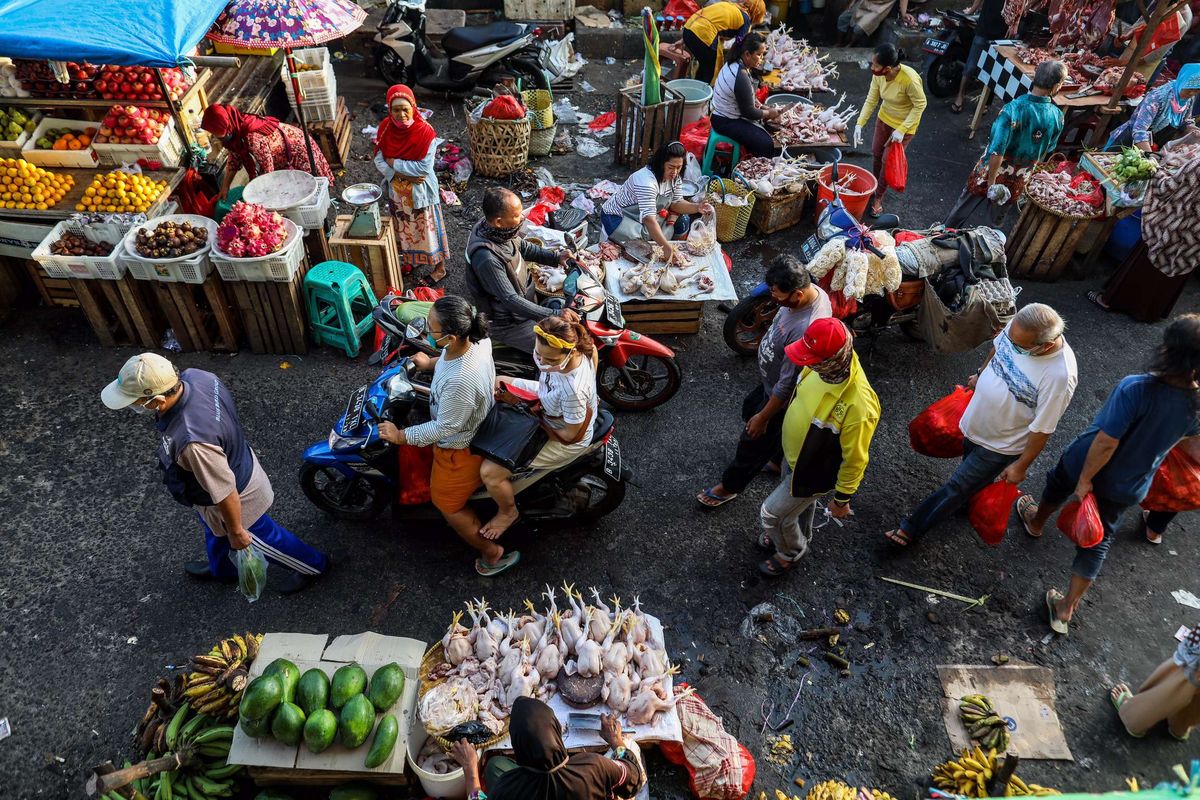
column 653, row 317
column 379, row 259
column 120, row 312
column 775, row 213
column 642, row 130
column 1043, row 242
column 287, row 776
column 273, row 315
column 333, row 136
column 200, row 315
column 53, row 291
column 316, row 246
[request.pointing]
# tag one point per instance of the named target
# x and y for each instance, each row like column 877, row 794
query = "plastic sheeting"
column 152, row 33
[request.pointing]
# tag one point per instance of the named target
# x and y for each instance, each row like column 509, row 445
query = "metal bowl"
column 787, row 100
column 690, row 188
column 362, row 194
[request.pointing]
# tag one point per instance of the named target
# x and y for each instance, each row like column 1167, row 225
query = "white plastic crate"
column 84, row 158
column 319, row 81
column 312, row 216
column 108, row 268
column 13, row 149
column 193, row 268
column 168, row 150
column 318, row 110
column 280, row 266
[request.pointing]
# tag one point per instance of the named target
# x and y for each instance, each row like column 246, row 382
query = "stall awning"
column 152, row 33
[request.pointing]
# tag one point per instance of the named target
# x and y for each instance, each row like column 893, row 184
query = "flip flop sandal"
column 1151, row 536
column 717, row 500
column 508, row 560
column 1119, row 700
column 898, row 537
column 1095, row 297
column 774, row 568
column 955, row 108
column 1056, row 624
column 1024, row 502
column 1183, row 738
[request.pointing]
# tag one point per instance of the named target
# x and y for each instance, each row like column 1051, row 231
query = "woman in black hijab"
column 543, row 769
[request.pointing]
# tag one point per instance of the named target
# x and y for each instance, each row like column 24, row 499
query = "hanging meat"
column 1080, row 23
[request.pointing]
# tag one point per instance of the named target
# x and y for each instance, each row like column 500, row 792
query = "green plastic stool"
column 710, row 152
column 224, row 206
column 339, row 302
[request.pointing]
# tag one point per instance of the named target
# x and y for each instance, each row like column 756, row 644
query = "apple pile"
column 138, row 83
column 132, row 125
column 38, row 79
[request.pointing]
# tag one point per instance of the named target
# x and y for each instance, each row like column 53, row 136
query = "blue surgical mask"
column 1023, row 351
column 433, row 342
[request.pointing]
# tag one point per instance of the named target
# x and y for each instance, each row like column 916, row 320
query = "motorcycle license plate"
column 612, row 458
column 936, row 46
column 612, row 310
column 354, row 410
column 809, row 249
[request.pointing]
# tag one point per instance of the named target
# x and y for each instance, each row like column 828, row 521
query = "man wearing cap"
column 827, row 433
column 208, row 465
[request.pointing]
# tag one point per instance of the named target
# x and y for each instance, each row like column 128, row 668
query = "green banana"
column 173, row 725
column 210, row 787
column 192, row 725
column 214, row 750
column 214, row 734
column 164, row 791
column 222, row 772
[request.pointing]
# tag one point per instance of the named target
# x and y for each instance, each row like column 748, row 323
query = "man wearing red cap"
column 827, row 433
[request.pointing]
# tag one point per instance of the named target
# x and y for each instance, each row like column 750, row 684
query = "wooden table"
column 83, row 179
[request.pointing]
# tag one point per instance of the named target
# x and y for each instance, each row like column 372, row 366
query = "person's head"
column 788, row 281
column 668, row 161
column 886, row 61
column 502, row 208
column 756, row 10
column 146, row 383
column 1178, row 357
column 1049, row 77
column 555, row 340
column 1187, row 82
column 1036, row 329
column 452, row 321
column 826, row 348
column 536, row 735
column 402, row 105
column 218, row 120
column 751, row 51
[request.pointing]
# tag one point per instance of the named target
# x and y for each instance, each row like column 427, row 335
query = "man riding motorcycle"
column 498, row 278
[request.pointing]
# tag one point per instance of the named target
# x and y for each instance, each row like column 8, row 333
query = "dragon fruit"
column 251, row 231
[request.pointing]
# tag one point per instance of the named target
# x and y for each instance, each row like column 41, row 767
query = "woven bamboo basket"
column 778, row 211
column 434, row 656
column 499, row 147
column 541, row 140
column 731, row 220
column 539, row 102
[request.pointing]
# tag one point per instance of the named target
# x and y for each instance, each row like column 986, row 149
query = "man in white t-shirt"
column 1021, row 392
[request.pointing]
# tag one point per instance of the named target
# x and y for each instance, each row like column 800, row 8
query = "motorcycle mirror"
column 415, row 329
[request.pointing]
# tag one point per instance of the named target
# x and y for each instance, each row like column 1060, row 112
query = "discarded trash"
column 462, row 170
column 589, row 148
column 1186, row 598
column 285, row 365
column 609, row 60
column 999, row 658
column 563, row 143
column 582, row 202
column 767, row 624
column 836, row 660
column 970, row 601
column 5, row 728
column 587, row 87
column 450, row 198
column 780, row 750
column 370, row 130
column 544, row 177
column 169, row 342
column 131, row 640
column 565, row 112
column 841, row 616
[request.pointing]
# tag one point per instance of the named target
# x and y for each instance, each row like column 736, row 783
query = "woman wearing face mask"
column 459, row 400
column 405, row 151
column 260, row 144
column 736, row 112
column 896, row 90
column 566, row 389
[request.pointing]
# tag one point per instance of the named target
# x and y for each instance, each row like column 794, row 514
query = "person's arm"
column 574, row 417
column 856, row 446
column 455, row 406
column 1016, row 471
column 1143, row 119
column 494, row 279
column 623, row 772
column 211, row 467
column 1099, row 454
column 916, row 96
column 416, row 169
column 385, row 169
column 1053, row 399
column 468, row 758
column 756, row 426
column 539, row 255
column 743, row 93
column 869, row 106
column 974, row 7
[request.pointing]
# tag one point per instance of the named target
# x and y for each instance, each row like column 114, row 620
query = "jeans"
column 978, row 45
column 979, row 468
column 753, row 454
column 750, row 135
column 1088, row 560
column 277, row 543
column 780, row 516
column 879, row 143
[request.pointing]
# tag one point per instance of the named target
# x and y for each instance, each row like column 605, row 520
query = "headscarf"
column 1187, row 655
column 232, row 127
column 756, row 10
column 1180, row 110
column 836, row 368
column 544, row 769
column 407, row 144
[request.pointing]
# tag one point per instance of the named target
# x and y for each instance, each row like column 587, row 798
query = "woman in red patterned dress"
column 260, row 144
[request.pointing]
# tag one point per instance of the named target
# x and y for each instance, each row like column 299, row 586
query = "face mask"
column 548, row 367
column 429, row 338
column 878, row 72
column 140, row 409
column 1024, row 352
column 500, row 235
column 404, row 123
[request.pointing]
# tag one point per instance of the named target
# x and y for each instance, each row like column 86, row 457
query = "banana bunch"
column 165, row 699
column 969, row 775
column 215, row 684
column 201, row 745
column 982, row 722
column 831, row 790
column 874, row 794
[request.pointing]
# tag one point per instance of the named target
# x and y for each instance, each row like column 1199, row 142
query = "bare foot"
column 498, row 524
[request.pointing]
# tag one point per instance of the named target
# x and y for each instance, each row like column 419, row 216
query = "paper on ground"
column 1022, row 694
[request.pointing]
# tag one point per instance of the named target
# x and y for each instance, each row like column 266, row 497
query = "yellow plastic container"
column 234, row 50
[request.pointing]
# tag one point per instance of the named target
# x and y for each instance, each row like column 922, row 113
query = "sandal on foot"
column 1057, row 625
column 710, row 499
column 957, row 108
column 776, row 567
column 1151, row 536
column 1097, row 298
column 899, row 537
column 508, row 560
column 1023, row 503
column 1119, row 695
column 1174, row 735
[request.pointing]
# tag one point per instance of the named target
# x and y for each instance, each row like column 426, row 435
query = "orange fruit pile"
column 120, row 192
column 27, row 186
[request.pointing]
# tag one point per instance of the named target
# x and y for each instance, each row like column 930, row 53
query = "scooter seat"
column 604, row 424
column 463, row 40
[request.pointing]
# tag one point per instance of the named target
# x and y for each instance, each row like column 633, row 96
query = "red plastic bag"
column 895, row 166
column 934, row 432
column 194, row 195
column 426, row 294
column 719, row 766
column 990, row 508
column 762, row 94
column 1081, row 522
column 416, row 467
column 605, row 120
column 695, row 138
column 1176, row 485
column 841, row 305
column 680, row 8
column 504, row 107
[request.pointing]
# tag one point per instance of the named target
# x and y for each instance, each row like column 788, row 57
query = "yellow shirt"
column 901, row 100
column 707, row 23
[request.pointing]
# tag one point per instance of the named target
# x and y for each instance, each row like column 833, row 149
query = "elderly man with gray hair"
column 1024, row 134
column 1021, row 391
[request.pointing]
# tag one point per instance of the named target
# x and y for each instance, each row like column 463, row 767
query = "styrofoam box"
column 84, row 158
column 168, row 150
column 278, row 267
column 109, row 268
column 13, row 149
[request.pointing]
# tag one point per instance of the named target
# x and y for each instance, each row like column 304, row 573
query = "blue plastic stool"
column 339, row 302
column 710, row 152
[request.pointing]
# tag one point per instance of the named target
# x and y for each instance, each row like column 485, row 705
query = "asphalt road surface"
column 94, row 605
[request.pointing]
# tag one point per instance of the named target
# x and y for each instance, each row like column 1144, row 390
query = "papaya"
column 288, row 674
column 387, row 684
column 312, row 692
column 384, row 742
column 319, row 730
column 261, row 697
column 255, row 728
column 354, row 791
column 348, row 681
column 287, row 725
column 356, row 720
column 272, row 794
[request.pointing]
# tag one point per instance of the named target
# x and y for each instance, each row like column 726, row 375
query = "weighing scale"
column 364, row 198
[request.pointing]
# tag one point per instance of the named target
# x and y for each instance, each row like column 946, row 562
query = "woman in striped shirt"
column 736, row 112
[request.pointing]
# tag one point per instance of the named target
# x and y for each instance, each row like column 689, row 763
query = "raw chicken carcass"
column 616, row 650
column 618, row 691
column 511, row 661
column 587, row 660
column 601, row 618
column 551, row 649
column 457, row 641
column 571, row 621
column 524, row 683
column 530, row 625
column 652, row 699
column 482, row 641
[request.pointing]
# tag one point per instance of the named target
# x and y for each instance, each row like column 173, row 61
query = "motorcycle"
column 474, row 55
column 355, row 475
column 635, row 372
column 946, row 54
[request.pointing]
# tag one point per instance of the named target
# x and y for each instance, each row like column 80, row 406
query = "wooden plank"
column 117, row 308
column 244, row 309
column 133, row 295
column 298, row 316
column 1068, row 249
column 167, row 304
column 226, row 339
column 266, row 316
column 96, row 317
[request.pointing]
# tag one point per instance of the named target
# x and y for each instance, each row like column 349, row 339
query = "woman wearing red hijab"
column 405, row 151
column 260, row 144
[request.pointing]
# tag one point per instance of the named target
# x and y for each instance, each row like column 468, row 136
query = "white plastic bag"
column 701, row 238
column 252, row 572
column 589, row 148
column 692, row 171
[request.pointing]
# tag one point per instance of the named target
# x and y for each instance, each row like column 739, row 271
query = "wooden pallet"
column 273, row 315
column 379, row 259
column 288, row 776
column 1043, row 242
column 333, row 136
column 121, row 313
column 654, row 317
column 316, row 246
column 200, row 314
column 54, row 291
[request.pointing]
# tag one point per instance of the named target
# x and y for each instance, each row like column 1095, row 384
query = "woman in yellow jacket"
column 896, row 89
column 704, row 31
column 827, row 433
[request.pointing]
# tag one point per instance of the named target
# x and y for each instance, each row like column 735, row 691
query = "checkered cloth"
column 719, row 766
column 1003, row 76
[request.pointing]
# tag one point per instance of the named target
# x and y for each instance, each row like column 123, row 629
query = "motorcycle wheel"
column 391, row 67
column 748, row 322
column 356, row 499
column 653, row 381
column 605, row 495
column 943, row 76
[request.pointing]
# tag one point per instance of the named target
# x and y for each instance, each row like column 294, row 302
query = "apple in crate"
column 132, row 125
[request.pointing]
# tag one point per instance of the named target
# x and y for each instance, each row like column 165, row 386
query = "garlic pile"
column 779, row 175
column 857, row 273
column 800, row 68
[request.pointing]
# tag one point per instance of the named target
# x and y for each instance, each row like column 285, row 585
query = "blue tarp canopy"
column 149, row 33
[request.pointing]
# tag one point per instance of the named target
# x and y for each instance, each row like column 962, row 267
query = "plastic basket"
column 168, row 150
column 311, row 216
column 731, row 220
column 192, row 268
column 83, row 158
column 105, row 268
column 538, row 102
column 312, row 81
column 280, row 266
column 318, row 110
column 541, row 140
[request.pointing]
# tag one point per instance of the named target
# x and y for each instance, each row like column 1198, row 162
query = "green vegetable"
column 348, row 681
column 387, row 684
column 252, row 573
column 287, row 725
column 319, row 730
column 288, row 674
column 261, row 697
column 356, row 720
column 384, row 742
column 312, row 693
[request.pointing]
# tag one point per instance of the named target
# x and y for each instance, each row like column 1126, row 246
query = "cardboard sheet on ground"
column 1023, row 694
column 722, row 290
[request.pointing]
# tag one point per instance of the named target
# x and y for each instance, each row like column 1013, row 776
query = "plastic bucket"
column 696, row 97
column 856, row 194
column 451, row 786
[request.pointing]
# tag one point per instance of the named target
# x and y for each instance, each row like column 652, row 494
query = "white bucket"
column 696, row 97
column 451, row 786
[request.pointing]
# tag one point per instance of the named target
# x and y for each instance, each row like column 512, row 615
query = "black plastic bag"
column 511, row 435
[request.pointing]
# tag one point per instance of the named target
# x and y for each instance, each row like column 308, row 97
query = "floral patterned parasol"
column 264, row 24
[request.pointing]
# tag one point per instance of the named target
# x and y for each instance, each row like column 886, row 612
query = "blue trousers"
column 1088, row 560
column 682, row 224
column 979, row 467
column 277, row 543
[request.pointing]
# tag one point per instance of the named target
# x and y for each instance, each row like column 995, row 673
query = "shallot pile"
column 800, row 68
column 812, row 124
column 857, row 273
column 1072, row 196
column 251, row 231
column 779, row 175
